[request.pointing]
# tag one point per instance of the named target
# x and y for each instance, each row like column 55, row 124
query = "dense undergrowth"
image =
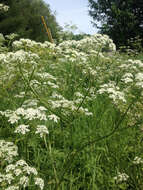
column 70, row 116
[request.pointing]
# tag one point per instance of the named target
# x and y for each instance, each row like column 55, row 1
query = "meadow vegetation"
column 70, row 115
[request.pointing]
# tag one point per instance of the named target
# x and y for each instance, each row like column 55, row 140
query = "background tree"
column 24, row 18
column 120, row 19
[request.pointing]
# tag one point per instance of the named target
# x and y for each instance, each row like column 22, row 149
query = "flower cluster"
column 7, row 151
column 114, row 92
column 11, row 36
column 4, row 7
column 137, row 160
column 121, row 177
column 11, row 62
column 70, row 79
column 133, row 73
column 67, row 106
column 96, row 42
column 26, row 114
column 23, row 129
column 42, row 130
column 27, row 43
column 127, row 78
column 18, row 56
column 16, row 174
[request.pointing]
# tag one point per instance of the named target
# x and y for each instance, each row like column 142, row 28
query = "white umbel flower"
column 42, row 130
column 21, row 163
column 23, row 129
column 137, row 160
column 24, row 181
column 8, row 151
column 30, row 170
column 12, row 188
column 4, row 7
column 54, row 118
column 121, row 177
column 39, row 182
column 13, row 118
column 9, row 177
column 10, row 167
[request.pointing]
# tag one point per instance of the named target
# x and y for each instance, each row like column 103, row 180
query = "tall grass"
column 75, row 114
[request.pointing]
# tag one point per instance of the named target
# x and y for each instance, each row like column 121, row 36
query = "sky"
column 73, row 11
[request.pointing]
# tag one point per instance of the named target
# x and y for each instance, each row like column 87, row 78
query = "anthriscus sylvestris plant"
column 70, row 115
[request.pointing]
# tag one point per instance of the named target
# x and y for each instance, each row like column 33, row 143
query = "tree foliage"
column 120, row 19
column 24, row 18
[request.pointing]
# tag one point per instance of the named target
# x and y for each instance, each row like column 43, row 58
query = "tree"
column 120, row 19
column 24, row 18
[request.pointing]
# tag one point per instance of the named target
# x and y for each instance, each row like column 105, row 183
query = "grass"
column 85, row 149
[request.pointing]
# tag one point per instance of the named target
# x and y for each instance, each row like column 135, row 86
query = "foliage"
column 136, row 44
column 24, row 18
column 134, row 47
column 73, row 113
column 70, row 115
column 121, row 20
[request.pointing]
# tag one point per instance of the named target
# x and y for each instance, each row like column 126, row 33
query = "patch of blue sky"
column 73, row 12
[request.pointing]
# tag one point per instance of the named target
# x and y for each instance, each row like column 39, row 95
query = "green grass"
column 81, row 152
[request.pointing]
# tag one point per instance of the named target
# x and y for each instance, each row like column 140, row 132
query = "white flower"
column 139, row 84
column 55, row 95
column 32, row 113
column 42, row 130
column 8, row 177
column 138, row 62
column 20, row 111
column 29, row 170
column 4, row 7
column 89, row 113
column 10, row 167
column 128, row 75
column 14, row 118
column 121, row 177
column 46, row 76
column 42, row 108
column 127, row 80
column 30, row 103
column 16, row 176
column 24, row 181
column 21, row 163
column 17, row 172
column 113, row 92
column 54, row 118
column 53, row 85
column 39, row 182
column 79, row 100
column 78, row 94
column 23, row 129
column 19, row 56
column 11, row 36
column 138, row 160
column 8, row 150
column 139, row 76
column 12, row 188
